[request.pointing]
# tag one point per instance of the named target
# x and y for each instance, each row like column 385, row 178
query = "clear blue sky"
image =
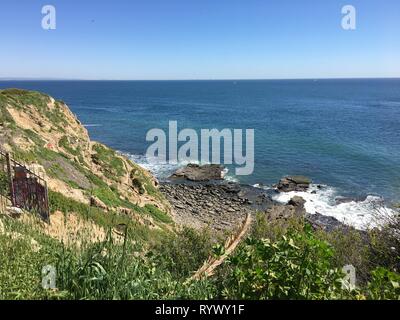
column 199, row 39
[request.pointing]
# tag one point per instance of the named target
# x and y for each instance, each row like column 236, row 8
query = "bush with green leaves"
column 183, row 253
column 384, row 285
column 297, row 266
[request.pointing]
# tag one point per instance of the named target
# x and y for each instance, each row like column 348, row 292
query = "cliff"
column 44, row 134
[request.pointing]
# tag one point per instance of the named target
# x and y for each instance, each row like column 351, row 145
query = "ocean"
column 343, row 134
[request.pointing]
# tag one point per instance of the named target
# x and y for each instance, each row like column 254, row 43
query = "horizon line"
column 191, row 79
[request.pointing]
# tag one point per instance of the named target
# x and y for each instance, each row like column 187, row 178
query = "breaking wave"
column 361, row 214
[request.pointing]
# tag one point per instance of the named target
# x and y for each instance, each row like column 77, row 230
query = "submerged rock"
column 195, row 172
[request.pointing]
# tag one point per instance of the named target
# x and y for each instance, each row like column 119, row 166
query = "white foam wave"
column 362, row 215
column 163, row 170
column 92, row 125
column 231, row 178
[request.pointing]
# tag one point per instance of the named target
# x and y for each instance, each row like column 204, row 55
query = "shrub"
column 351, row 248
column 138, row 185
column 384, row 285
column 184, row 252
column 112, row 165
column 297, row 266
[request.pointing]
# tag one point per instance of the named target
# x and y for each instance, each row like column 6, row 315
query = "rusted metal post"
column 46, row 200
column 10, row 179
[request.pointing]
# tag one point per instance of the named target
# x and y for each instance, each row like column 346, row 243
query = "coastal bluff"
column 43, row 134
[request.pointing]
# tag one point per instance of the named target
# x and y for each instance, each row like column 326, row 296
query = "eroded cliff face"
column 44, row 134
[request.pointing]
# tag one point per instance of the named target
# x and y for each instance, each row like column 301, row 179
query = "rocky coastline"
column 201, row 201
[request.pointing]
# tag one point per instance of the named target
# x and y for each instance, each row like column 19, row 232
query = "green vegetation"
column 5, row 117
column 4, row 183
column 18, row 98
column 298, row 264
column 110, row 163
column 56, row 117
column 157, row 214
column 59, row 202
column 184, row 252
column 21, row 264
column 55, row 170
column 384, row 284
column 142, row 183
column 108, row 196
column 64, row 143
column 299, row 267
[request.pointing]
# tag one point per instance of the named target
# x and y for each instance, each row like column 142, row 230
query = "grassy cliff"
column 84, row 177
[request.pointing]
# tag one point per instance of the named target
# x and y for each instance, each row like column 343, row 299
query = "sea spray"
column 368, row 213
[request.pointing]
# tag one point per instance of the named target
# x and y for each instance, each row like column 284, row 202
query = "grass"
column 56, row 116
column 64, row 143
column 55, row 170
column 297, row 264
column 59, row 202
column 157, row 214
column 106, row 195
column 110, row 163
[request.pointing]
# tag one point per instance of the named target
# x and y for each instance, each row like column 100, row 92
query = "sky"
column 199, row 39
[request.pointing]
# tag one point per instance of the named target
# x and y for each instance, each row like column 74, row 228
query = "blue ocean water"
column 341, row 133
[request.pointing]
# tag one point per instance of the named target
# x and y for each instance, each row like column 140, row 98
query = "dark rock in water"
column 293, row 183
column 195, row 172
column 340, row 200
column 297, row 201
column 326, row 223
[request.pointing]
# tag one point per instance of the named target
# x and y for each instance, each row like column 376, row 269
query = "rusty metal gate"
column 22, row 187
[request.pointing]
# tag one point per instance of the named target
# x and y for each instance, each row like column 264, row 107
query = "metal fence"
column 22, row 187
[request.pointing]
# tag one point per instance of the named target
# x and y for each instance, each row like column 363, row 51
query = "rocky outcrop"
column 293, row 183
column 297, row 201
column 96, row 202
column 326, row 223
column 195, row 172
column 218, row 206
